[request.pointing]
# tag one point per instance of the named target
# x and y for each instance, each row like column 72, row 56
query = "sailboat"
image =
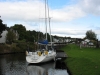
column 44, row 53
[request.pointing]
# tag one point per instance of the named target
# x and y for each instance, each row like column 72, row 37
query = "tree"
column 29, row 36
column 2, row 27
column 10, row 37
column 21, row 31
column 91, row 35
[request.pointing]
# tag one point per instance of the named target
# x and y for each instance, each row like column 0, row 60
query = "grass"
column 85, row 61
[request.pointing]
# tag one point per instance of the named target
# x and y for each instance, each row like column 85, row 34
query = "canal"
column 15, row 64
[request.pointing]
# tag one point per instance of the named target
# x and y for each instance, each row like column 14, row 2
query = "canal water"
column 15, row 64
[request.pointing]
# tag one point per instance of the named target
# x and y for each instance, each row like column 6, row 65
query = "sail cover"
column 44, row 42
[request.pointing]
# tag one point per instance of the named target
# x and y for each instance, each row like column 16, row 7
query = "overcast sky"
column 68, row 17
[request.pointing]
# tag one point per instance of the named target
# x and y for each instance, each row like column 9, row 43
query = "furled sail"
column 43, row 42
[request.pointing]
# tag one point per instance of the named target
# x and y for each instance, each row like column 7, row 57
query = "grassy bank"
column 85, row 61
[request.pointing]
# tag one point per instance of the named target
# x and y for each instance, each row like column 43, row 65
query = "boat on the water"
column 45, row 52
column 41, row 55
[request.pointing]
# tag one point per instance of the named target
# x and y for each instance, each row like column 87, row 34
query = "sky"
column 70, row 18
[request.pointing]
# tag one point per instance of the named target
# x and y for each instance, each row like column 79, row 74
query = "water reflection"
column 49, row 68
column 15, row 64
column 40, row 69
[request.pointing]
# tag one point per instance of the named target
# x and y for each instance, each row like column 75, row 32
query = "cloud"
column 67, row 31
column 32, row 10
column 68, row 13
column 90, row 6
column 21, row 10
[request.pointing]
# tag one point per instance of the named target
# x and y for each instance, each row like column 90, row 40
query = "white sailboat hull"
column 35, row 58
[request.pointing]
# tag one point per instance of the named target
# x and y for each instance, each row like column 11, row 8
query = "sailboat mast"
column 46, row 20
column 49, row 18
column 46, row 17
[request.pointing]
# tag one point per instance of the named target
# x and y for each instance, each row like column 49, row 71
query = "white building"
column 55, row 40
column 3, row 38
column 85, row 42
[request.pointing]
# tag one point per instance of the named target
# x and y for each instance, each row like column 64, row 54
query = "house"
column 55, row 40
column 3, row 38
column 85, row 42
column 67, row 40
column 4, row 33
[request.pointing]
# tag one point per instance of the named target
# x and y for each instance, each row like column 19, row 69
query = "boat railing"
column 39, row 53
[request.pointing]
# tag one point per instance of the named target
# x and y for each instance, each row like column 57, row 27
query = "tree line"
column 25, row 35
